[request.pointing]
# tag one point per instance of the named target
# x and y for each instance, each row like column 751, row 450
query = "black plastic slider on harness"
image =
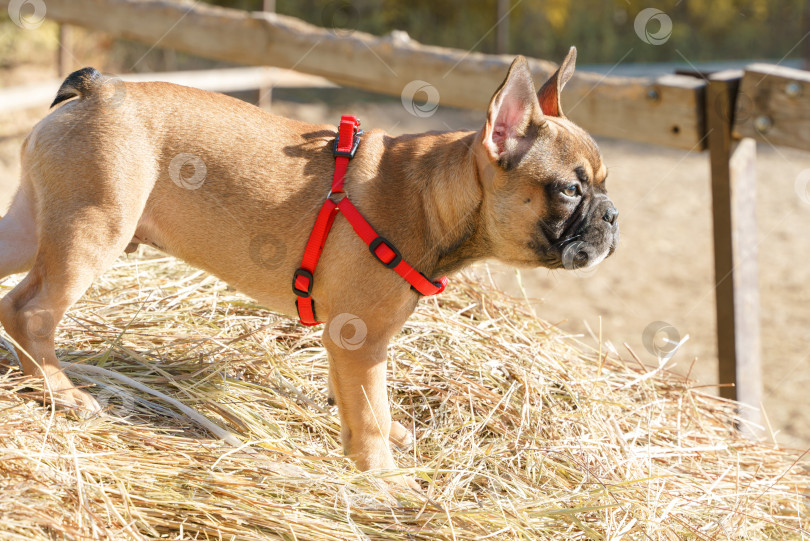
column 355, row 143
column 310, row 282
column 382, row 240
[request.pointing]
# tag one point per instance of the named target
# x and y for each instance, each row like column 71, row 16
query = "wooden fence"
column 217, row 80
column 725, row 112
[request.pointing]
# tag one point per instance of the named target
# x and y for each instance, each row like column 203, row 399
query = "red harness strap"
column 386, row 253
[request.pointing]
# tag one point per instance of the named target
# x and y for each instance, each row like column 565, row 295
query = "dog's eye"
column 571, row 191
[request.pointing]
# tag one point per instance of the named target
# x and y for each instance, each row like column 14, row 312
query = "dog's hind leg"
column 18, row 237
column 82, row 228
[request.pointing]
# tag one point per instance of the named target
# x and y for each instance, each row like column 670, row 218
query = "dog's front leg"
column 398, row 435
column 362, row 400
column 357, row 380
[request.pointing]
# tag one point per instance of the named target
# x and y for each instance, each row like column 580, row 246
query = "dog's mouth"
column 585, row 245
column 576, row 255
column 582, row 255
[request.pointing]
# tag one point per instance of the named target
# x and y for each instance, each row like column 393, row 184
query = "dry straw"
column 521, row 431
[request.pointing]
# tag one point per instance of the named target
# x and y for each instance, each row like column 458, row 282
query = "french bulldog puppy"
column 221, row 184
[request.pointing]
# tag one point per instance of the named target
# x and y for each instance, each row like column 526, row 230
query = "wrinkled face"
column 552, row 209
column 546, row 202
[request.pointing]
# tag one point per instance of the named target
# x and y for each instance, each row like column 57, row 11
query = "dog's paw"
column 60, row 390
column 405, row 481
column 400, row 436
column 79, row 402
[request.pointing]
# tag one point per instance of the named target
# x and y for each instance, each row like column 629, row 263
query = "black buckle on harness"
column 355, row 143
column 306, row 274
column 372, row 247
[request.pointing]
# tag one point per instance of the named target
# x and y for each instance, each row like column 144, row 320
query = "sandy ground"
column 662, row 271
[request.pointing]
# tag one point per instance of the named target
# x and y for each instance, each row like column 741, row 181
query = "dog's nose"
column 610, row 215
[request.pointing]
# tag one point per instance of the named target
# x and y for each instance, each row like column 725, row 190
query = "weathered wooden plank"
column 745, row 279
column 266, row 92
column 773, row 105
column 735, row 249
column 666, row 111
column 218, row 80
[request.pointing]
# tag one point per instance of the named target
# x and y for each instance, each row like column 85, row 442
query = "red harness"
column 346, row 144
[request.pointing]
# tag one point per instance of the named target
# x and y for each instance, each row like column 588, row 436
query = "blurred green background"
column 602, row 30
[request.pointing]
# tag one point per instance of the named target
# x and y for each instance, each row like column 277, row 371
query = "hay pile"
column 521, row 432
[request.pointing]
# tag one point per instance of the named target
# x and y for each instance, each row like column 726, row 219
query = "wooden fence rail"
column 217, row 80
column 725, row 112
column 666, row 111
column 773, row 106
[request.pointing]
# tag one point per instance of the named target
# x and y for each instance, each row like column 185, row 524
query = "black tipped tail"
column 78, row 84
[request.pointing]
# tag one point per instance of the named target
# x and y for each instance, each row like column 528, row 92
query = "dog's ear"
column 549, row 95
column 513, row 117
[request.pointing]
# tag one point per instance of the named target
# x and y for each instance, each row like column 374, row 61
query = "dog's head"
column 545, row 202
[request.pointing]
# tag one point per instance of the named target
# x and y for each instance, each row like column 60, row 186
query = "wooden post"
column 266, row 92
column 64, row 56
column 502, row 29
column 735, row 249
